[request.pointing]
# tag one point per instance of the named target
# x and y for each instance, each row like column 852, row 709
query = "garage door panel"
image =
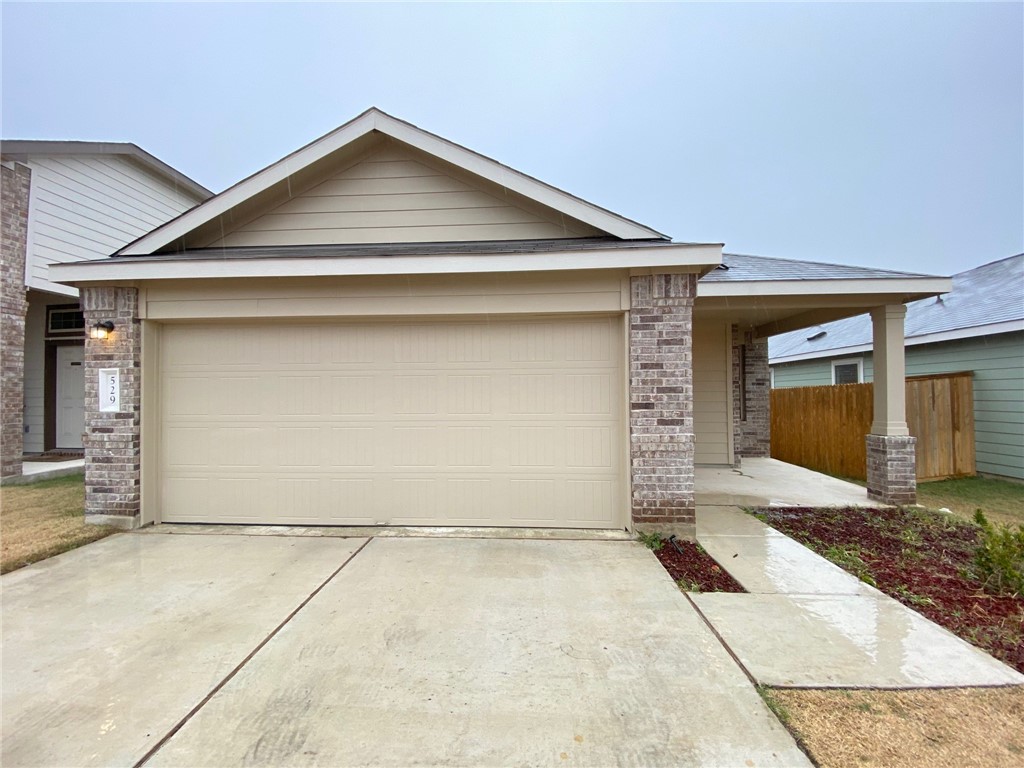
column 426, row 424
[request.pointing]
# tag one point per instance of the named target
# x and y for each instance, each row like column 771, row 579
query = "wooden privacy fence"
column 823, row 428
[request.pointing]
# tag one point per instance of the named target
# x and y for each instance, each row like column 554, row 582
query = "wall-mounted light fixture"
column 101, row 330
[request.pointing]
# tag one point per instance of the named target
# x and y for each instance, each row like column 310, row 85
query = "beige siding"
column 711, row 394
column 513, row 422
column 88, row 206
column 35, row 327
column 396, row 195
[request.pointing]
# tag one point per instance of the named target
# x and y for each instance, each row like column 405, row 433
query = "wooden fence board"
column 823, row 428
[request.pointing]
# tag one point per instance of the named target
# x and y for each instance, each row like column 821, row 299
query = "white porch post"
column 890, row 370
column 891, row 456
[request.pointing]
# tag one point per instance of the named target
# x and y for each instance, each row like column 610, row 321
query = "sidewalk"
column 806, row 623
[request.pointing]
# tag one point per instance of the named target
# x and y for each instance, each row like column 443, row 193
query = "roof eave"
column 676, row 257
column 907, row 288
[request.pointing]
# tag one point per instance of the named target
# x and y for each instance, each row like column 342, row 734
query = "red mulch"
column 921, row 559
column 695, row 567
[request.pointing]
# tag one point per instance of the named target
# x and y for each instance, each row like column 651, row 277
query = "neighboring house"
column 978, row 327
column 387, row 328
column 65, row 201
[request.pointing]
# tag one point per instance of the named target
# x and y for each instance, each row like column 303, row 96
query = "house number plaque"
column 110, row 389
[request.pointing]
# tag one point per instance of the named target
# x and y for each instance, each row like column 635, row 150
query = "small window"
column 65, row 321
column 846, row 372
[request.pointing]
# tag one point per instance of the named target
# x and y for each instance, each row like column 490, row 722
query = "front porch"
column 761, row 482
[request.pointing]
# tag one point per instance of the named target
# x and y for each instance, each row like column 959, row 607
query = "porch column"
column 14, row 193
column 113, row 432
column 891, row 458
column 661, row 403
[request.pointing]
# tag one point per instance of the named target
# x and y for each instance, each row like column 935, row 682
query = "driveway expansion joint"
column 238, row 668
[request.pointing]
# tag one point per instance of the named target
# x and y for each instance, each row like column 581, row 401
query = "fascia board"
column 917, row 287
column 975, row 331
column 511, row 179
column 248, row 188
column 696, row 258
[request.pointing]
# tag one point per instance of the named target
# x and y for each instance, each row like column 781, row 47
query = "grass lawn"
column 897, row 729
column 1001, row 501
column 43, row 519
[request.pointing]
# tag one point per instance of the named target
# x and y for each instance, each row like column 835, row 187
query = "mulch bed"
column 694, row 569
column 920, row 558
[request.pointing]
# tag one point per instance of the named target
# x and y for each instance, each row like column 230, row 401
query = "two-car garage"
column 478, row 421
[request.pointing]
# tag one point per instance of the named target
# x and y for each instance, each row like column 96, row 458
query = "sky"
column 887, row 135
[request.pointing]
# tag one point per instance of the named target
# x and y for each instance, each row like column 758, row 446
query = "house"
column 978, row 327
column 65, row 201
column 385, row 327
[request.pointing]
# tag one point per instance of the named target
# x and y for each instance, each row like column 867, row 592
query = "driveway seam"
column 238, row 668
column 721, row 639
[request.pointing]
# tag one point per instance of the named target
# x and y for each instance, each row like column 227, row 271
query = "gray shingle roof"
column 991, row 293
column 744, row 268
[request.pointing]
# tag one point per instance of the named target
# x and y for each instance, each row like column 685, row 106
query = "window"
column 65, row 321
column 847, row 371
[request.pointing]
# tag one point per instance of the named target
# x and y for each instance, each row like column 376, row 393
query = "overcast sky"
column 878, row 134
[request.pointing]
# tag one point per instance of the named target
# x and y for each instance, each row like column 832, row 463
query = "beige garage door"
column 499, row 423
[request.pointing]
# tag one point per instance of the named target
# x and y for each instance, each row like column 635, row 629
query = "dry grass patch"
column 1002, row 501
column 43, row 519
column 897, row 729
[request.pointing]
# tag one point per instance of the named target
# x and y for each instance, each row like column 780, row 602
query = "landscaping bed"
column 923, row 559
column 693, row 569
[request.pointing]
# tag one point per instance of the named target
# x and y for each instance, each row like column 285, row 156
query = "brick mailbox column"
column 14, row 191
column 112, row 437
column 661, row 403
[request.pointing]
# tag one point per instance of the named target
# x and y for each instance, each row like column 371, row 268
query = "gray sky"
column 879, row 134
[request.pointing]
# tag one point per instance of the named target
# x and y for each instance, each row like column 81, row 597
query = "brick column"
column 751, row 395
column 112, row 440
column 14, row 194
column 891, row 454
column 661, row 403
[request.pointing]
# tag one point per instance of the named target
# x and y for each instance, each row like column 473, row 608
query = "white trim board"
column 1008, row 326
column 376, row 120
column 688, row 257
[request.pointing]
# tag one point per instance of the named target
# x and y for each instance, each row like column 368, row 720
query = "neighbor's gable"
column 397, row 194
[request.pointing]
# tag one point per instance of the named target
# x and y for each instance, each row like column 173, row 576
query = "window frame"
column 858, row 361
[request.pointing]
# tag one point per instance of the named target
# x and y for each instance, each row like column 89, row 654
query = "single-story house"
column 385, row 327
column 65, row 201
column 978, row 326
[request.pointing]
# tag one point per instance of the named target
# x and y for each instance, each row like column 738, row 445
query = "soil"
column 899, row 729
column 918, row 557
column 694, row 569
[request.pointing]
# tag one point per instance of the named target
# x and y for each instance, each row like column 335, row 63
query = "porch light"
column 101, row 330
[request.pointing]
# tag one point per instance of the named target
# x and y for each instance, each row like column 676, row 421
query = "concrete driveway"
column 263, row 650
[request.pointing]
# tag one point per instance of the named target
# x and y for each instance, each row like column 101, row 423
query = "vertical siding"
column 88, row 206
column 398, row 196
column 998, row 366
column 711, row 391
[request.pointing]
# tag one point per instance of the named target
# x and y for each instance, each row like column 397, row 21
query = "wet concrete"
column 420, row 651
column 105, row 648
column 809, row 623
column 762, row 482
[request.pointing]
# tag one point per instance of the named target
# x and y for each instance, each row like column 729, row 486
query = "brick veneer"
column 892, row 469
column 14, row 195
column 751, row 398
column 112, row 440
column 661, row 403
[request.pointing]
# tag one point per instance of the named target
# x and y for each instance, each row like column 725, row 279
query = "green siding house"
column 978, row 327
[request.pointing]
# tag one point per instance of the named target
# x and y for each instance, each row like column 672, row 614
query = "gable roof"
column 985, row 299
column 356, row 133
column 22, row 149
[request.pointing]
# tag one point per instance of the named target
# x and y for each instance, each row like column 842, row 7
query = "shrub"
column 999, row 557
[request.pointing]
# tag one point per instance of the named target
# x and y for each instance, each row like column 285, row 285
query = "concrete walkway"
column 285, row 650
column 764, row 482
column 809, row 623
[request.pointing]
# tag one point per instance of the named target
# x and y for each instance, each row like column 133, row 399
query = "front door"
column 70, row 396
